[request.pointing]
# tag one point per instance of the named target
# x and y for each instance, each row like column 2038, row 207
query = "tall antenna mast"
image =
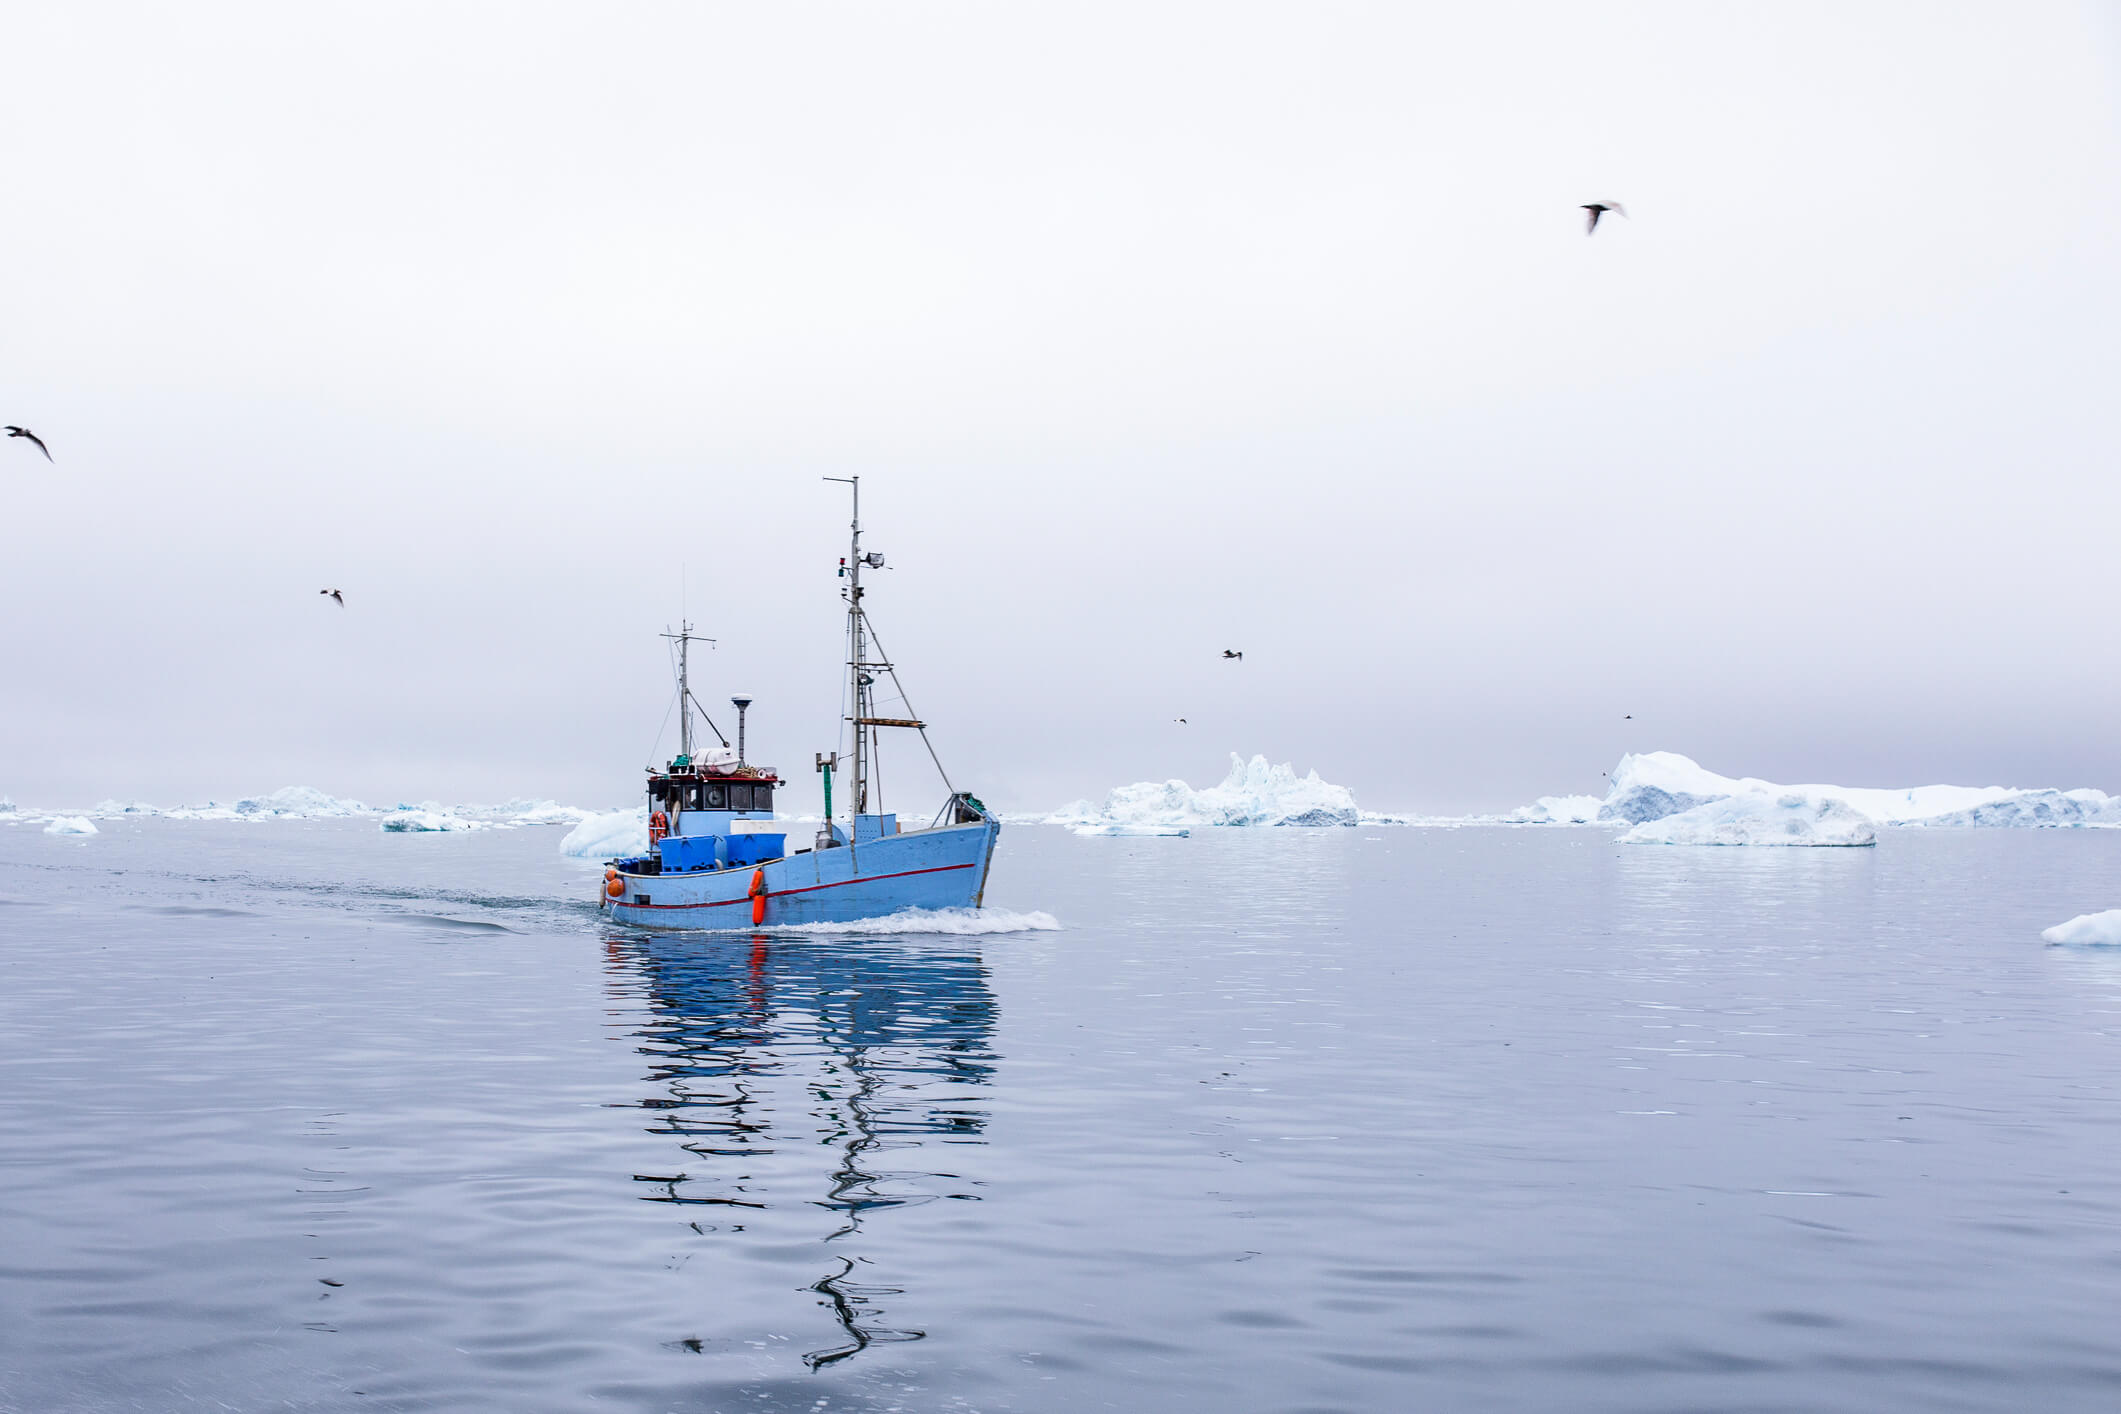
column 858, row 682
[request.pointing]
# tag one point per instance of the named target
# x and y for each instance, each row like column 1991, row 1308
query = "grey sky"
column 1152, row 330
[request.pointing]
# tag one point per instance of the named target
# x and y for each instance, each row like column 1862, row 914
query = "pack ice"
column 1255, row 792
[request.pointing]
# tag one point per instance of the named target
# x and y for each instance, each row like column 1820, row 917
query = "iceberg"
column 1254, row 793
column 2092, row 928
column 1549, row 810
column 408, row 820
column 608, row 836
column 2036, row 810
column 1656, row 785
column 70, row 825
column 1793, row 818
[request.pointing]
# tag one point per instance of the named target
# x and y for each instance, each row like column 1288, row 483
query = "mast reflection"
column 866, row 1048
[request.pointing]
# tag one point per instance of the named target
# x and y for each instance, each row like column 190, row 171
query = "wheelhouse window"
column 717, row 797
column 740, row 797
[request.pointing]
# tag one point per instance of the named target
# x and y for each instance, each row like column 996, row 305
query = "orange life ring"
column 758, row 897
column 658, row 826
column 615, row 886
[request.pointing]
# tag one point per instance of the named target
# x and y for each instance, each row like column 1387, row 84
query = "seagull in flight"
column 1233, row 653
column 13, row 431
column 1180, row 720
column 336, row 598
column 1598, row 209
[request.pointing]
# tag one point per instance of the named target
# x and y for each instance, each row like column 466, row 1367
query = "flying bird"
column 1629, row 717
column 335, row 597
column 1180, row 720
column 1598, row 209
column 25, row 432
column 1233, row 653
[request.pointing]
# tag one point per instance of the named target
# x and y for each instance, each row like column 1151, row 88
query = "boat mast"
column 684, row 690
column 858, row 701
column 684, row 638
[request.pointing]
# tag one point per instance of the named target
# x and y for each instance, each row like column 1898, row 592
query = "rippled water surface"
column 305, row 1116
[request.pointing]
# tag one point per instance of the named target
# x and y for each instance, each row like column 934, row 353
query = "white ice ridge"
column 2092, row 928
column 70, row 825
column 1657, row 784
column 1794, row 818
column 1254, row 793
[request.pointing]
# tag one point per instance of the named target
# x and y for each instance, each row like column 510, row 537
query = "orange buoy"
column 615, row 886
column 758, row 897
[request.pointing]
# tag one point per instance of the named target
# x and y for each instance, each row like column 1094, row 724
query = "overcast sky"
column 1153, row 330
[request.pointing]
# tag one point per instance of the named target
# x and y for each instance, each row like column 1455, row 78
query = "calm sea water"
column 308, row 1117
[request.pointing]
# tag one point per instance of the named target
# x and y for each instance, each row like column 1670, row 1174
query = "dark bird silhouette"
column 1629, row 717
column 336, row 598
column 1598, row 209
column 1181, row 721
column 1233, row 653
column 25, row 432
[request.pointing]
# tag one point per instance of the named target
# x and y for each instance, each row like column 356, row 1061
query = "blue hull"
column 938, row 868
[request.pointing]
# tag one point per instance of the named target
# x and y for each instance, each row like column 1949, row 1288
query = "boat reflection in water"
column 851, row 1049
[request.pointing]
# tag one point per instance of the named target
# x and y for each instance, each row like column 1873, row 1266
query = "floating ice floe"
column 1255, row 792
column 1656, row 785
column 1793, row 818
column 608, row 836
column 2088, row 928
column 70, row 825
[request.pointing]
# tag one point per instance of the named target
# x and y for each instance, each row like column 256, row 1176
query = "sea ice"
column 1254, row 793
column 2088, row 928
column 70, row 825
column 608, row 836
column 1792, row 818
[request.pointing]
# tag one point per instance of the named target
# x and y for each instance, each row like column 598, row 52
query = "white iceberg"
column 1550, row 810
column 2088, row 928
column 1656, row 784
column 70, row 825
column 1254, row 793
column 608, row 836
column 1793, row 818
column 407, row 820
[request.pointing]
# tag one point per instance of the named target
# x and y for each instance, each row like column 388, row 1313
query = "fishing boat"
column 717, row 856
